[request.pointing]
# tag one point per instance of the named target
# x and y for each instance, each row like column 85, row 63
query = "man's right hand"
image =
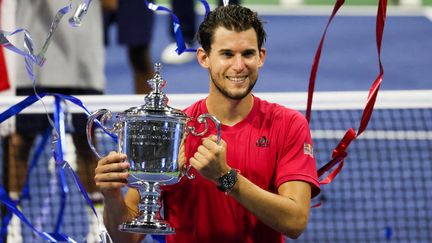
column 111, row 174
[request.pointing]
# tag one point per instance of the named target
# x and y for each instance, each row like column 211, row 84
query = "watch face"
column 228, row 181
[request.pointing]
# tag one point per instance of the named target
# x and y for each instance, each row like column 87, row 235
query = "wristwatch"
column 227, row 181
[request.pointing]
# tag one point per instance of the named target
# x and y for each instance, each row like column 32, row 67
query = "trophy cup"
column 150, row 135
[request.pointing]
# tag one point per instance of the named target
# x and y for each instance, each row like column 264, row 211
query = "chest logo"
column 262, row 142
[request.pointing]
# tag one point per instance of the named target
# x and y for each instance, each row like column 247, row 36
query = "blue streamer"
column 25, row 194
column 63, row 163
column 5, row 222
column 181, row 46
column 10, row 204
column 81, row 187
column 58, row 157
column 57, row 154
column 17, row 108
column 206, row 7
column 60, row 127
column 388, row 232
column 62, row 237
column 31, row 99
column 30, row 60
column 79, row 103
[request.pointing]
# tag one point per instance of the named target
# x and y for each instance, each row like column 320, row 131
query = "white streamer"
column 80, row 12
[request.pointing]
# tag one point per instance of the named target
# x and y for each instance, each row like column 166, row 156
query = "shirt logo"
column 308, row 149
column 262, row 142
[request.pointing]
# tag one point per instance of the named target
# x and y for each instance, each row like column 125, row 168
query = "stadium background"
column 383, row 192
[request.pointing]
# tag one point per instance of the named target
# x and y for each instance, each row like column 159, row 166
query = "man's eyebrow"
column 245, row 51
column 224, row 50
column 253, row 51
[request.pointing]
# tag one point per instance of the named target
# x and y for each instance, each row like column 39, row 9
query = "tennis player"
column 257, row 184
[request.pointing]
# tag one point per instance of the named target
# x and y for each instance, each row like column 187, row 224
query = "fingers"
column 112, row 157
column 203, row 154
column 111, row 172
column 181, row 157
column 112, row 177
column 113, row 162
column 110, row 181
column 195, row 164
column 112, row 167
column 213, row 137
column 211, row 143
column 201, row 158
column 208, row 152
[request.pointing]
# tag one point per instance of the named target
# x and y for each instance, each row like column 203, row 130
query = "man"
column 265, row 152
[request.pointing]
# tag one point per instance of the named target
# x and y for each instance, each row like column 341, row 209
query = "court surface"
column 348, row 62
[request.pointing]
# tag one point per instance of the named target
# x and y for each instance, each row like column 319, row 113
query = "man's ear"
column 202, row 58
column 262, row 57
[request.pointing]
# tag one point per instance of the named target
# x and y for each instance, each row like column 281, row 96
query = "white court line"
column 375, row 134
column 428, row 13
column 387, row 99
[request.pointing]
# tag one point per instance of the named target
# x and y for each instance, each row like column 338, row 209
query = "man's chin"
column 238, row 95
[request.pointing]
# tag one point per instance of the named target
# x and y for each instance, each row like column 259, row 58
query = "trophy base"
column 147, row 227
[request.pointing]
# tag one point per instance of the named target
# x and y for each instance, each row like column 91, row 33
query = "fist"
column 210, row 159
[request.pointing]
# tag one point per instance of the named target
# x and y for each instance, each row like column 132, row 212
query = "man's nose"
column 238, row 63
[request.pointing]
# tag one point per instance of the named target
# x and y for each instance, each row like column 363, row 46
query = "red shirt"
column 4, row 83
column 272, row 145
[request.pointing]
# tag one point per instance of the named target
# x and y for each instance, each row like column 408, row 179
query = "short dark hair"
column 231, row 17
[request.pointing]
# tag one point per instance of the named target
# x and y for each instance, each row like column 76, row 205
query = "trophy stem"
column 147, row 221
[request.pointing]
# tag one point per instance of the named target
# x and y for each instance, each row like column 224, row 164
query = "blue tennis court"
column 348, row 62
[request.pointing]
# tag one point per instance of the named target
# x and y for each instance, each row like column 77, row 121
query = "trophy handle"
column 106, row 114
column 202, row 119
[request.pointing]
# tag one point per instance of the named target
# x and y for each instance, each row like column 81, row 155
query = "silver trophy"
column 151, row 136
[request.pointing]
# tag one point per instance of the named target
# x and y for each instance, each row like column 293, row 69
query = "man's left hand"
column 210, row 159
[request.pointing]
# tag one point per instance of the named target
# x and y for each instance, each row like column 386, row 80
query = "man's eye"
column 249, row 54
column 227, row 54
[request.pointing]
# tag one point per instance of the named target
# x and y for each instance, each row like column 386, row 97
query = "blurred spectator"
column 74, row 66
column 135, row 27
column 185, row 11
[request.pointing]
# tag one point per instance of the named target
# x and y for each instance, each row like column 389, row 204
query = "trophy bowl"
column 151, row 136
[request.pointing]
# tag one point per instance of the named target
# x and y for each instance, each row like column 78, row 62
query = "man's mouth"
column 237, row 79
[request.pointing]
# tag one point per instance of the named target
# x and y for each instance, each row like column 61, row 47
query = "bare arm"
column 287, row 211
column 110, row 177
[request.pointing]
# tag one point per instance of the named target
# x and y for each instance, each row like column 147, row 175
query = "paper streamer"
column 181, row 46
column 340, row 152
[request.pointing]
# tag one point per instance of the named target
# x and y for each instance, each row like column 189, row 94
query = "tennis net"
column 383, row 192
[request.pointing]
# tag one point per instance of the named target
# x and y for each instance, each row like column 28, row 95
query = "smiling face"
column 233, row 62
